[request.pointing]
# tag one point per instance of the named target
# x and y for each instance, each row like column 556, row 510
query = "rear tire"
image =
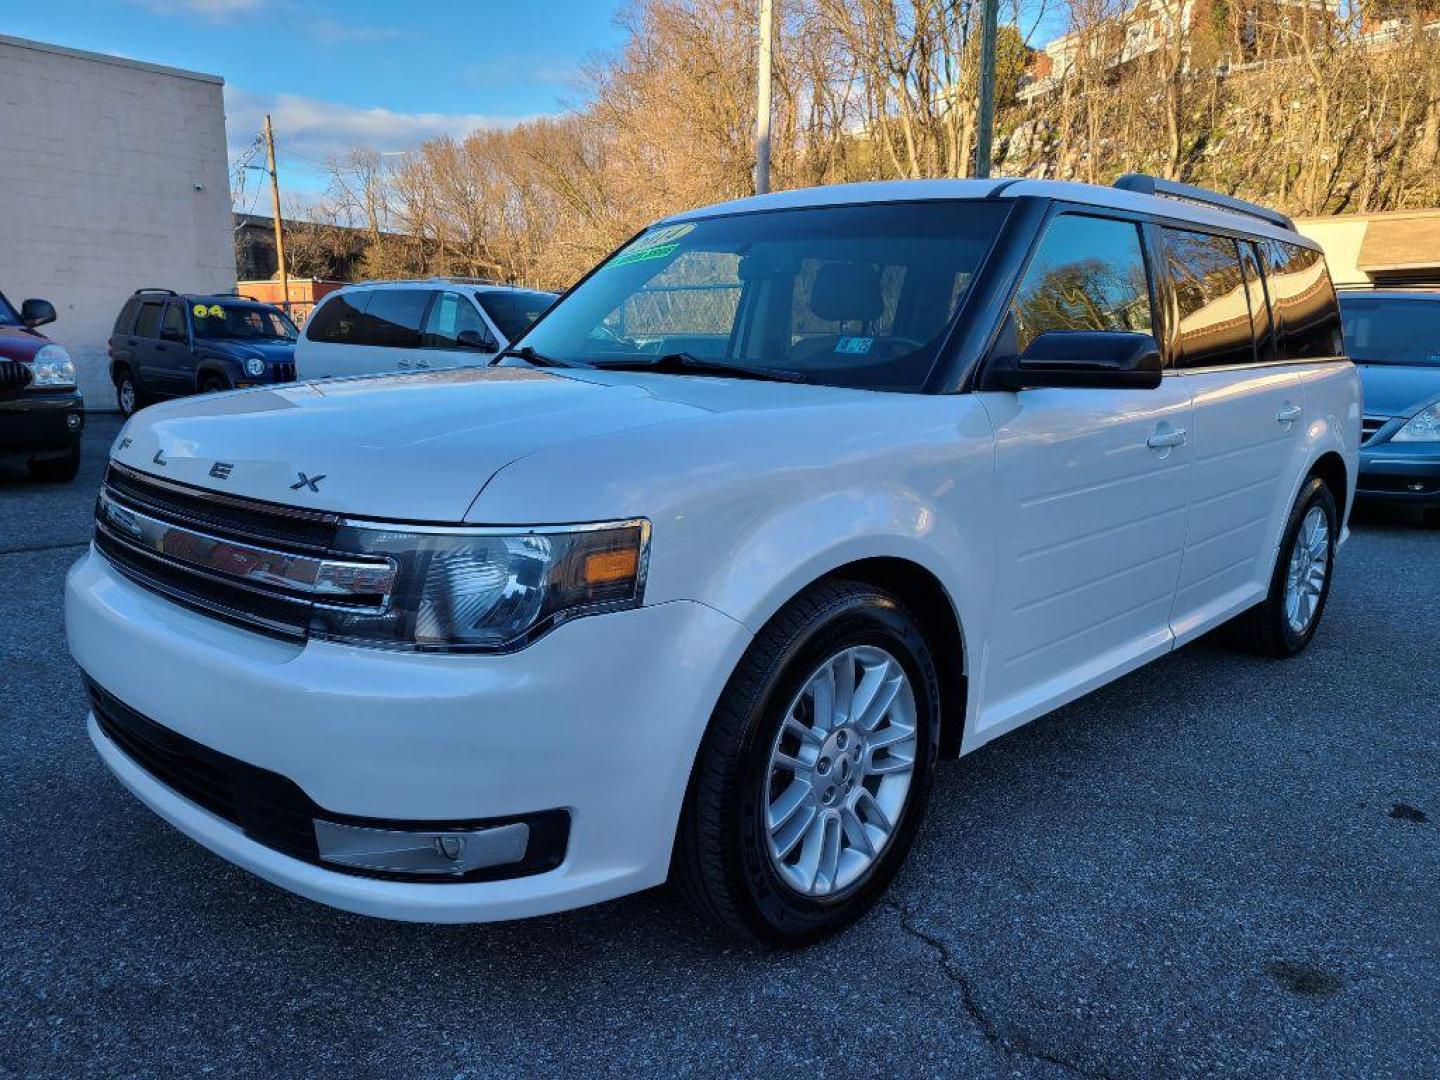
column 728, row 863
column 1284, row 623
column 57, row 470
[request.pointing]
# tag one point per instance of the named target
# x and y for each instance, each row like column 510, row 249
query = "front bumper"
column 41, row 421
column 599, row 719
column 1400, row 473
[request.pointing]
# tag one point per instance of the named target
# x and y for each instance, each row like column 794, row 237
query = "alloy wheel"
column 840, row 771
column 1309, row 567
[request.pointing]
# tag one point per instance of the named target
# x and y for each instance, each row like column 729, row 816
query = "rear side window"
column 1304, row 302
column 148, row 324
column 1259, row 302
column 337, row 321
column 1088, row 274
column 1210, row 295
column 393, row 317
column 513, row 312
column 126, row 322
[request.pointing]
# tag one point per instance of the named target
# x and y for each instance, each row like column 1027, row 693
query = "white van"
column 414, row 325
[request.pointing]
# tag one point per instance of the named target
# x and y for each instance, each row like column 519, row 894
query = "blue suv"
column 167, row 344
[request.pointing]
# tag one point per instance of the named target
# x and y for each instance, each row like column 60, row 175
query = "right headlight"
column 489, row 590
column 53, row 367
column 1424, row 426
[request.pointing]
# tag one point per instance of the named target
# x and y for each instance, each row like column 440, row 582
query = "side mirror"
column 1106, row 359
column 473, row 339
column 35, row 313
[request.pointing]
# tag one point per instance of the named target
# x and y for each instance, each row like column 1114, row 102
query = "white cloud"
column 210, row 10
column 316, row 130
column 334, row 32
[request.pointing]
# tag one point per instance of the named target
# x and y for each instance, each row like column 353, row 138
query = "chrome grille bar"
column 352, row 584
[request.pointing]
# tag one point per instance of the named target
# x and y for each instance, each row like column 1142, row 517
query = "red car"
column 41, row 412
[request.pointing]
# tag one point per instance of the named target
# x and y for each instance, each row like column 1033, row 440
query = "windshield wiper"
column 684, row 363
column 535, row 359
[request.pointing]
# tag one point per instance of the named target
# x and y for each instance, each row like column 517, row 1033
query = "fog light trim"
column 422, row 852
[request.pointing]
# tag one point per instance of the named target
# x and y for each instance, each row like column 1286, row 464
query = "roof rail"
column 433, row 280
column 166, row 292
column 1142, row 184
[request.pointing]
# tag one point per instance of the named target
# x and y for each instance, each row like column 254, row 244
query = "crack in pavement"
column 44, row 547
column 1009, row 1046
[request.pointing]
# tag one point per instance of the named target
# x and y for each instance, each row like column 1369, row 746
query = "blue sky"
column 335, row 74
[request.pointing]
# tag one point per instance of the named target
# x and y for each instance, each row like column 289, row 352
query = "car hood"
column 412, row 447
column 1398, row 390
column 275, row 351
column 20, row 343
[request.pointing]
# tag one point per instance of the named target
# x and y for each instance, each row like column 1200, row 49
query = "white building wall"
column 113, row 176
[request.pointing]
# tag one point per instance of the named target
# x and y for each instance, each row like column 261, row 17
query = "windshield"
column 1384, row 330
column 214, row 320
column 856, row 296
column 8, row 315
column 515, row 310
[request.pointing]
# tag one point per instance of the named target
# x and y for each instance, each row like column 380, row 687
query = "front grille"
column 206, row 559
column 14, row 375
column 273, row 810
column 1370, row 425
column 284, row 372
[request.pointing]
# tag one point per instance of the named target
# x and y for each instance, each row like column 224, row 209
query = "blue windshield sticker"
column 854, row 346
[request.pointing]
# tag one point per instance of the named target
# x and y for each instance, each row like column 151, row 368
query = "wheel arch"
column 926, row 597
column 1330, row 468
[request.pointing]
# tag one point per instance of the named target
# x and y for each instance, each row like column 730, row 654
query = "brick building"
column 113, row 175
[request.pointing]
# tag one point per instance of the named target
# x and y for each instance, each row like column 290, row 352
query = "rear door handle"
column 1289, row 414
column 1165, row 440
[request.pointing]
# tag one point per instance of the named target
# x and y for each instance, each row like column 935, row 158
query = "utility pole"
column 985, row 122
column 762, row 105
column 275, row 203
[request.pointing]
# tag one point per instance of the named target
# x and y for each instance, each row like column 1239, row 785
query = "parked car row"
column 787, row 499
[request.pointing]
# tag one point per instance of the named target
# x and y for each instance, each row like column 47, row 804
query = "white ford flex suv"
column 787, row 499
column 413, row 326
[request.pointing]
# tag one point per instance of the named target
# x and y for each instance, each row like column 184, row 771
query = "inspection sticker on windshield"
column 656, row 244
column 855, row 346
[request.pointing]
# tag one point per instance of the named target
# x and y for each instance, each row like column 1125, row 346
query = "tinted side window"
column 1210, row 294
column 513, row 312
column 148, row 324
column 338, row 319
column 1304, row 302
column 1259, row 302
column 174, row 324
column 1088, row 274
column 450, row 316
column 392, row 318
column 126, row 322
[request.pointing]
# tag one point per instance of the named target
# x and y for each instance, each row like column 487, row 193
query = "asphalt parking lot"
column 1216, row 865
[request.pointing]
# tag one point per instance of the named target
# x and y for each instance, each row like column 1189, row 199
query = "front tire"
column 1284, row 623
column 813, row 776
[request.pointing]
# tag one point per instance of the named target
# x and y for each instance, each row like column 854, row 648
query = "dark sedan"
column 1395, row 339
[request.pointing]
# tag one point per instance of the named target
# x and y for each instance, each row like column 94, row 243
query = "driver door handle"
column 1289, row 414
column 1163, row 440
